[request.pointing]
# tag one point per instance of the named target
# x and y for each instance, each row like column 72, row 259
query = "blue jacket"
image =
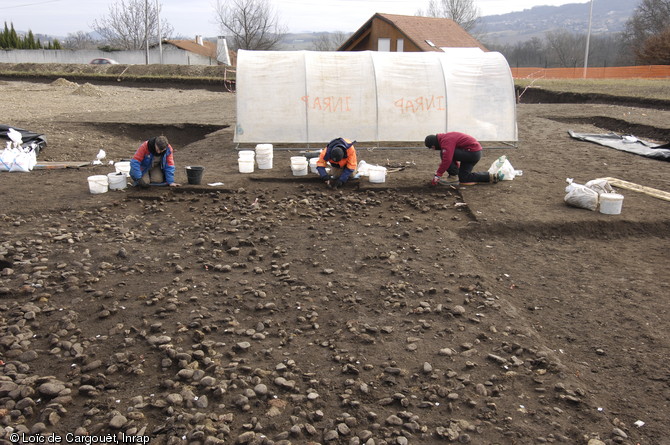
column 143, row 158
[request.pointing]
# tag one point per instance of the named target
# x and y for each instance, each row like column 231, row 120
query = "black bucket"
column 194, row 174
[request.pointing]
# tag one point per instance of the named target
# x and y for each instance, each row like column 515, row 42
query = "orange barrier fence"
column 609, row 72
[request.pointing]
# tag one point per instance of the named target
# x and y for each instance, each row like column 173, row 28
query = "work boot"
column 450, row 179
column 496, row 177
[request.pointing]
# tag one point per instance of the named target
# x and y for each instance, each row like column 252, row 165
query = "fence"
column 608, row 72
column 138, row 57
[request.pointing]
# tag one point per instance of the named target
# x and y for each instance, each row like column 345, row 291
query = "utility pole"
column 588, row 39
column 158, row 24
column 146, row 29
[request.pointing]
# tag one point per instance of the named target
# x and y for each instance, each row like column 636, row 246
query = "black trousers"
column 462, row 165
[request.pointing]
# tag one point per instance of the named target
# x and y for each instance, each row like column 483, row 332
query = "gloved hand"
column 143, row 183
column 325, row 178
column 436, row 180
column 337, row 184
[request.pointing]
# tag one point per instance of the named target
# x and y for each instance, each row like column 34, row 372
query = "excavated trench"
column 178, row 134
column 619, row 126
column 539, row 96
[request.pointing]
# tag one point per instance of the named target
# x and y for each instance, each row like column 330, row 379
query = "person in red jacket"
column 460, row 153
column 340, row 155
column 153, row 163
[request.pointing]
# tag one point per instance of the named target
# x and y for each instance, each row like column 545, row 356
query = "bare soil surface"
column 272, row 310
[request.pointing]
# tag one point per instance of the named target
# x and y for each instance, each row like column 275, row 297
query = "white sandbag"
column 6, row 159
column 600, row 186
column 578, row 195
column 17, row 159
column 504, row 166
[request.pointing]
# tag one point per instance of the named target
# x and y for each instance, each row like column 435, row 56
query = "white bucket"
column 246, row 165
column 264, row 161
column 611, row 203
column 298, row 159
column 117, row 181
column 312, row 165
column 377, row 174
column 246, row 154
column 98, row 184
column 299, row 168
column 122, row 167
column 264, row 149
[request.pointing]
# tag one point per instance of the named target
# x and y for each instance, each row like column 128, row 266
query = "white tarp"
column 308, row 96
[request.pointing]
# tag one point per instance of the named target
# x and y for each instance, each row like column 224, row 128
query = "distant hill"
column 300, row 41
column 609, row 16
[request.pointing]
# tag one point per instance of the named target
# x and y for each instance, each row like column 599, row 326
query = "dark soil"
column 271, row 309
column 539, row 95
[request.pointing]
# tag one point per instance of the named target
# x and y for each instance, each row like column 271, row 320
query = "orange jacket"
column 348, row 163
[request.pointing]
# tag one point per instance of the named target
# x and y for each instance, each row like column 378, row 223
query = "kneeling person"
column 153, row 163
column 340, row 156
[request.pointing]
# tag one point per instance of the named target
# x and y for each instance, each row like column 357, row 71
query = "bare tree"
column 650, row 18
column 565, row 48
column 252, row 24
column 656, row 49
column 80, row 40
column 463, row 12
column 329, row 41
column 605, row 50
column 129, row 23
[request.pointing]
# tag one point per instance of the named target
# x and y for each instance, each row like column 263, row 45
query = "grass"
column 643, row 88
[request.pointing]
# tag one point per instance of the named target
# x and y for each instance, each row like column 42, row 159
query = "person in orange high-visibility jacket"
column 340, row 156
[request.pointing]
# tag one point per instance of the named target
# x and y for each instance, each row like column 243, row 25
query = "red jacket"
column 449, row 143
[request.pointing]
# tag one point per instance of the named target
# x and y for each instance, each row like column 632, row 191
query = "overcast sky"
column 196, row 17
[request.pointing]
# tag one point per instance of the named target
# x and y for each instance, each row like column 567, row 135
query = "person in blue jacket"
column 153, row 163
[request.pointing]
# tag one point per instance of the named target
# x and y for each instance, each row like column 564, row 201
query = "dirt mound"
column 64, row 83
column 139, row 70
column 89, row 90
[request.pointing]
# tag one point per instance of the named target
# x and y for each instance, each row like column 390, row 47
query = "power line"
column 30, row 4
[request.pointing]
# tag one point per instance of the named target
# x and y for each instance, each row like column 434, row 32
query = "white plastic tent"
column 307, row 96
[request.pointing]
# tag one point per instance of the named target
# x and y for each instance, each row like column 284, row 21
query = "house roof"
column 440, row 31
column 207, row 49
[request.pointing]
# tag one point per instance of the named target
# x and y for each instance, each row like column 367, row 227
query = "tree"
column 80, row 40
column 14, row 38
column 329, row 41
column 9, row 39
column 29, row 41
column 463, row 12
column 527, row 53
column 253, row 24
column 566, row 48
column 656, row 49
column 650, row 18
column 130, row 24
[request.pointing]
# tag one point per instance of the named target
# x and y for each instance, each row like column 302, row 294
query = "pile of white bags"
column 586, row 196
column 15, row 157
